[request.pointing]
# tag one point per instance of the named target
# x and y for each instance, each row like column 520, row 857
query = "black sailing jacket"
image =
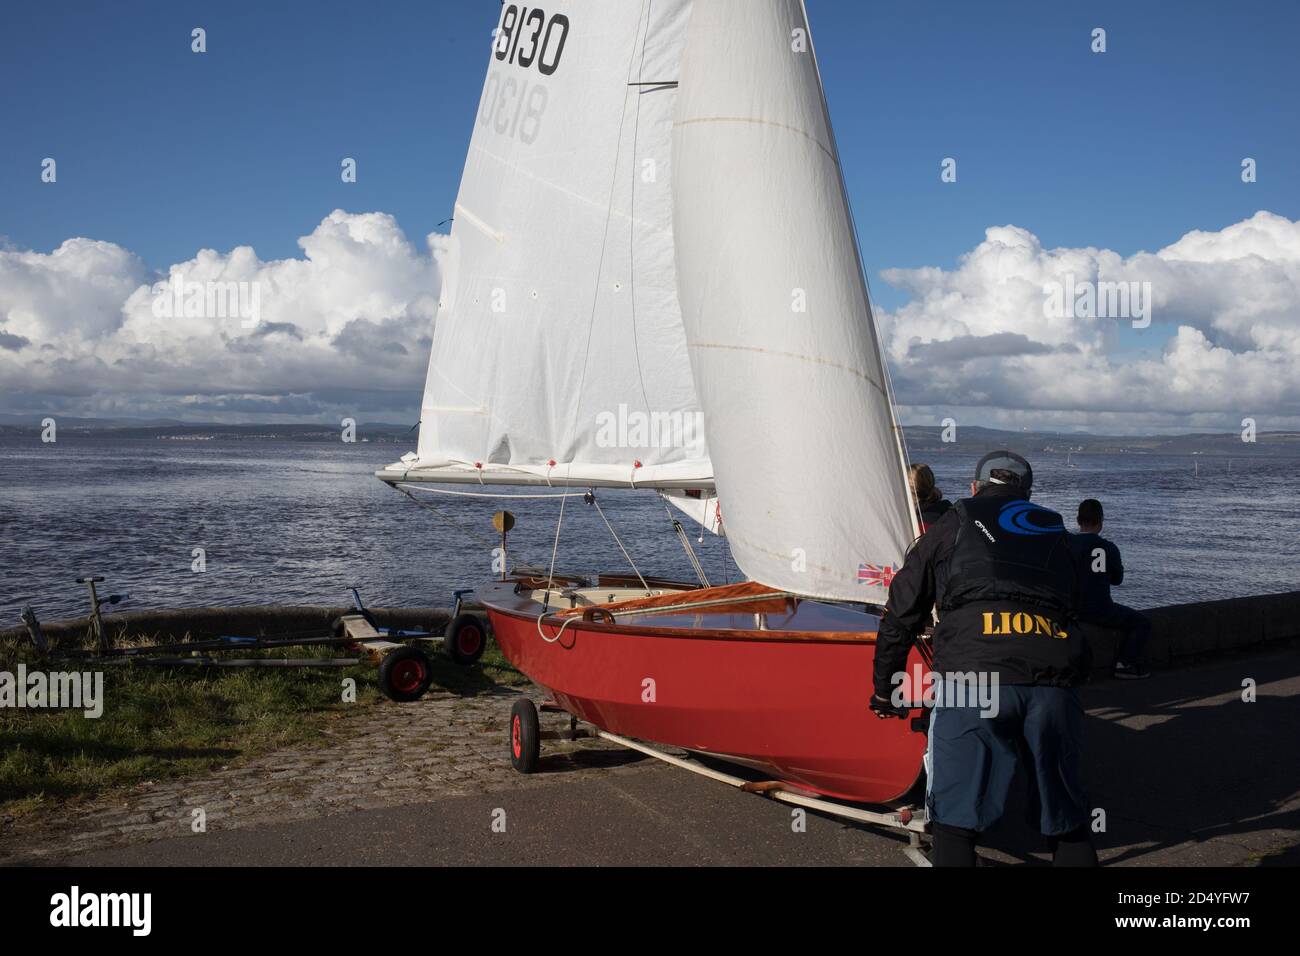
column 1002, row 574
column 932, row 512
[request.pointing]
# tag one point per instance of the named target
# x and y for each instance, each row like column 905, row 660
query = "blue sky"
column 164, row 152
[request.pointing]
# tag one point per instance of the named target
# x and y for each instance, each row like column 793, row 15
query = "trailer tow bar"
column 914, row 823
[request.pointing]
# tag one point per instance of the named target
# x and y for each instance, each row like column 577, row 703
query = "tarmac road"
column 1188, row 774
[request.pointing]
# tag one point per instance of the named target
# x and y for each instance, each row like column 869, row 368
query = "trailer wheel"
column 525, row 736
column 466, row 639
column 405, row 674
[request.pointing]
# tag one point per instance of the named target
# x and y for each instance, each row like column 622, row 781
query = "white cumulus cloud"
column 345, row 328
column 1223, row 341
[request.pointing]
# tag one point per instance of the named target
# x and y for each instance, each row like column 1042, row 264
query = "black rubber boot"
column 1073, row 849
column 953, row 846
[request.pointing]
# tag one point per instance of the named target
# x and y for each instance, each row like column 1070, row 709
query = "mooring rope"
column 558, row 634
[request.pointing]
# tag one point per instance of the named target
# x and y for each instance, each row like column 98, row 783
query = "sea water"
column 187, row 523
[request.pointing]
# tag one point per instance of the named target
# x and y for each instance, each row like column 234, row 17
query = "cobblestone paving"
column 395, row 754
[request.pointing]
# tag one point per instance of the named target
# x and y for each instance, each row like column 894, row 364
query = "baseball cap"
column 1004, row 461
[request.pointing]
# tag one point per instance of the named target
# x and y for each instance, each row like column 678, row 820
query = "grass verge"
column 160, row 723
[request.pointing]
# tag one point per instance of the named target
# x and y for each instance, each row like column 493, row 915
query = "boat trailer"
column 405, row 667
column 525, row 750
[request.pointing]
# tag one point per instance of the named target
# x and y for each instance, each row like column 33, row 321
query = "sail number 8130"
column 525, row 36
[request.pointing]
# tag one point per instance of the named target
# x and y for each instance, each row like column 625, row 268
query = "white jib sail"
column 558, row 353
column 701, row 507
column 783, row 347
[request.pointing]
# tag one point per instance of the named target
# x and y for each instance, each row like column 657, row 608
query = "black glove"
column 884, row 708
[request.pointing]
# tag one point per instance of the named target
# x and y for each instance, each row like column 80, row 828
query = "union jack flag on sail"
column 876, row 574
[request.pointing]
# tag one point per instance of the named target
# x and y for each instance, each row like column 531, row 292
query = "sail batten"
column 829, row 363
column 763, row 122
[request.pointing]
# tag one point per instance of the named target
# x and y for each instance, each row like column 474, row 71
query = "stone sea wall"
column 1178, row 631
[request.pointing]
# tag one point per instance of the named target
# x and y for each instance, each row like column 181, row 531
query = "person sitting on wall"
column 1100, row 567
column 930, row 502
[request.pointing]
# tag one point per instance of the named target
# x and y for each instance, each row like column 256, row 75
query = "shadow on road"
column 1180, row 760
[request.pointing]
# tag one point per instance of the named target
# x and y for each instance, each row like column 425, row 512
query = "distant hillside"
column 921, row 439
column 927, row 440
column 167, row 429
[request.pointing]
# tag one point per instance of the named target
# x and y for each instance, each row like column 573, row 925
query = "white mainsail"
column 558, row 354
column 800, row 426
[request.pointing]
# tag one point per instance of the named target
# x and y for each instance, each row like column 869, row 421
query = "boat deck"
column 739, row 611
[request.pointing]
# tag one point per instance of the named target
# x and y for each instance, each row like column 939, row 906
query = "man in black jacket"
column 1000, row 572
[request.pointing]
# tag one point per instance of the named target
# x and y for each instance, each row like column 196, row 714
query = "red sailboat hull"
column 779, row 684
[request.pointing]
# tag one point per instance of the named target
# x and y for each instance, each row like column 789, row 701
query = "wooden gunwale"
column 520, row 608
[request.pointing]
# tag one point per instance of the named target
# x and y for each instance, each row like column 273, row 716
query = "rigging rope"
column 591, row 499
column 489, row 494
column 473, row 536
column 478, row 539
column 690, row 552
column 685, row 539
column 550, row 574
